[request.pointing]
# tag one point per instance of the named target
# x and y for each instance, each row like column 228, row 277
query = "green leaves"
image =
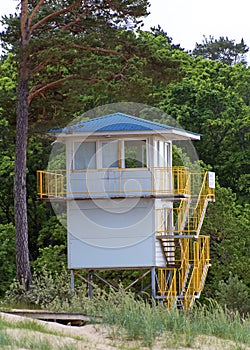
column 228, row 225
column 222, row 50
column 234, row 294
column 213, row 99
column 7, row 256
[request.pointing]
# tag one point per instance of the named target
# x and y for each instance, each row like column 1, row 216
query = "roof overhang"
column 169, row 134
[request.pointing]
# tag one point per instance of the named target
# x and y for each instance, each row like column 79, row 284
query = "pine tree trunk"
column 20, row 197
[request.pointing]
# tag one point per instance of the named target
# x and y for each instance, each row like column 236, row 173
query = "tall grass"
column 137, row 319
column 24, row 340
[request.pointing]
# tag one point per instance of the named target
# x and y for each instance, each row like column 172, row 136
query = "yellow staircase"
column 187, row 253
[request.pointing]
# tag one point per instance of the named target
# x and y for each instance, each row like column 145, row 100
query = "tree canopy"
column 73, row 58
column 222, row 50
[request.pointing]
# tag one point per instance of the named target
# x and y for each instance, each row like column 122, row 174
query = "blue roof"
column 114, row 122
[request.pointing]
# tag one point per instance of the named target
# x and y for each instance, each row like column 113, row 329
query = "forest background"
column 207, row 91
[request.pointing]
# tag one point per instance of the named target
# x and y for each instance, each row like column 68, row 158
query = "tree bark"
column 20, row 191
column 20, row 197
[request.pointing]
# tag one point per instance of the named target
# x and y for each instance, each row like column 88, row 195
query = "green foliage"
column 228, row 225
column 7, row 119
column 45, row 288
column 52, row 246
column 135, row 319
column 52, row 233
column 53, row 258
column 234, row 294
column 222, row 50
column 78, row 60
column 213, row 99
column 7, row 256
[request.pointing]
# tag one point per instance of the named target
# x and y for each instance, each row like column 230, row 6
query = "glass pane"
column 110, row 154
column 135, row 154
column 85, row 155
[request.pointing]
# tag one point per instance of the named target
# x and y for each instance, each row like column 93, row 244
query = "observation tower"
column 128, row 208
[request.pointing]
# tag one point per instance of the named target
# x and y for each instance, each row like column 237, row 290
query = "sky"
column 186, row 21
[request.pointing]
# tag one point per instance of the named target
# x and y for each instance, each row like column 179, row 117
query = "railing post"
column 41, row 184
column 153, row 291
column 90, row 284
column 72, row 282
column 196, row 262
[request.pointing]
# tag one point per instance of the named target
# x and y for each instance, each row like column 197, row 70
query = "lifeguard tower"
column 129, row 208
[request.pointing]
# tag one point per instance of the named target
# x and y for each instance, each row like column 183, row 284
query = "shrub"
column 7, row 256
column 45, row 288
column 234, row 294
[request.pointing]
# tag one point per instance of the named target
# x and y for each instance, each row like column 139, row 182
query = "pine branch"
column 97, row 49
column 67, row 26
column 37, row 90
column 40, row 67
column 51, row 15
column 34, row 12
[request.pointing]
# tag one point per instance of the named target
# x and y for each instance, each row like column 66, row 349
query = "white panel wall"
column 111, row 233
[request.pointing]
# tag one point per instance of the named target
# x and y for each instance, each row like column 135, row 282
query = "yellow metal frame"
column 188, row 220
column 165, row 180
column 194, row 255
column 192, row 251
column 201, row 262
column 168, row 291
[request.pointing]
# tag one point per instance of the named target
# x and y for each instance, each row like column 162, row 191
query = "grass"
column 138, row 320
column 133, row 321
column 25, row 340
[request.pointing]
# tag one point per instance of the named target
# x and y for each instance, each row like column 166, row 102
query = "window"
column 110, row 154
column 85, row 155
column 135, row 154
column 162, row 154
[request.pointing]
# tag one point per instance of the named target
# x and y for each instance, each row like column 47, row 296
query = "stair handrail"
column 185, row 265
column 170, row 293
column 205, row 193
column 201, row 260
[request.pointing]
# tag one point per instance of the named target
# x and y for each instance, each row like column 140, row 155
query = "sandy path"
column 88, row 337
column 96, row 337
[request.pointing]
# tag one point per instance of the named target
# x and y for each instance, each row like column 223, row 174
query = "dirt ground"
column 97, row 337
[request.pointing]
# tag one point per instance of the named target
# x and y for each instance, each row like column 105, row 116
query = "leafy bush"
column 7, row 256
column 54, row 258
column 45, row 288
column 234, row 294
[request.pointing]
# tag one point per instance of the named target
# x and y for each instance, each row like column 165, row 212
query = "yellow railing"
column 113, row 182
column 200, row 262
column 192, row 253
column 51, row 183
column 196, row 215
column 184, row 264
column 187, row 218
column 186, row 281
column 167, row 285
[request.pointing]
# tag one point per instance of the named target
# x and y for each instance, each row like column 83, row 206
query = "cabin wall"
column 111, row 233
column 118, row 232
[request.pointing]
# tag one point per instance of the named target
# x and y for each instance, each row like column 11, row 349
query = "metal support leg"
column 90, row 284
column 72, row 281
column 153, row 282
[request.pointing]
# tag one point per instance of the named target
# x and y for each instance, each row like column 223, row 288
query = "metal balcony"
column 113, row 182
